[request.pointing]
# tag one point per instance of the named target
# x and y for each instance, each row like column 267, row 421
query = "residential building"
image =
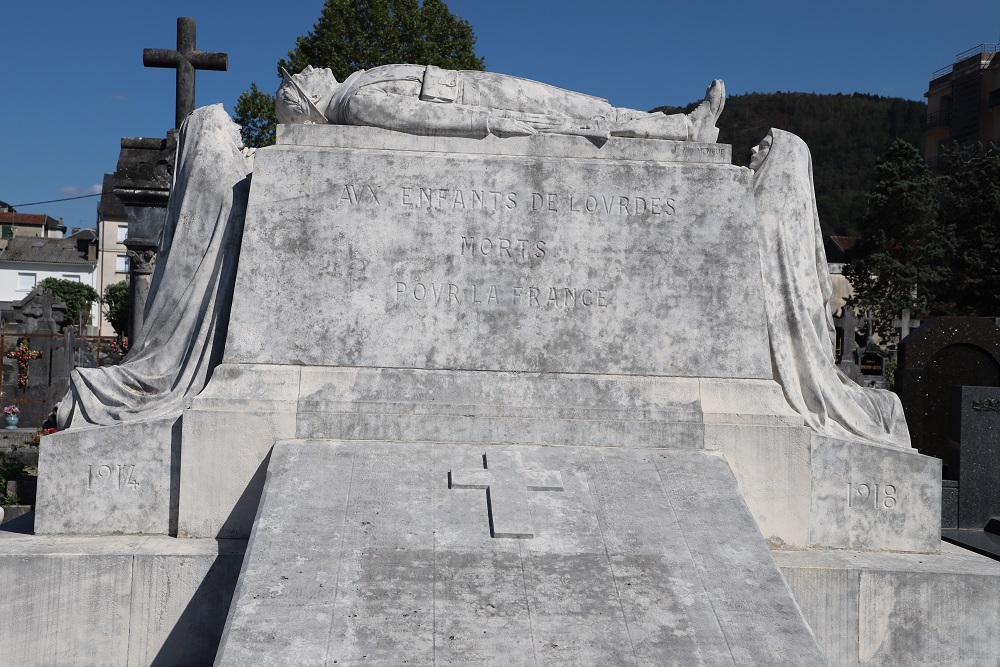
column 963, row 101
column 112, row 230
column 25, row 261
column 38, row 225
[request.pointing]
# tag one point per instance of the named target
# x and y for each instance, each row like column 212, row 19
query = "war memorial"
column 472, row 370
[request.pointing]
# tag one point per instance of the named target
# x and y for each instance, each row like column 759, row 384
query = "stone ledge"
column 116, row 601
column 869, row 609
column 541, row 145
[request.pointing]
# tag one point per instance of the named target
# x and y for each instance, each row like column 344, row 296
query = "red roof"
column 35, row 219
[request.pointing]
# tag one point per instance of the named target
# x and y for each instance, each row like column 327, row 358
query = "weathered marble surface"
column 428, row 100
column 114, row 601
column 799, row 322
column 635, row 557
column 898, row 610
column 188, row 304
column 120, row 479
column 477, row 262
column 230, row 427
column 869, row 497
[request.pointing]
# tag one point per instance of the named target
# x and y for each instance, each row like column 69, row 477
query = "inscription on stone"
column 877, row 496
column 437, row 293
column 507, row 484
column 617, row 204
column 987, row 405
column 116, row 476
column 359, row 194
column 510, row 248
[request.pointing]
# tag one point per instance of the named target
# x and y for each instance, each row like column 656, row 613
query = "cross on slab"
column 186, row 60
column 507, row 484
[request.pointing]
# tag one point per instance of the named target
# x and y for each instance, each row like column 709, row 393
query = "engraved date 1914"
column 877, row 496
column 117, row 476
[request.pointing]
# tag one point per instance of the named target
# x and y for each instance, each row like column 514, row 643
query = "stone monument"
column 531, row 421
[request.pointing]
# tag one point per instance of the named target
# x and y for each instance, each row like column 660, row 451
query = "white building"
column 28, row 260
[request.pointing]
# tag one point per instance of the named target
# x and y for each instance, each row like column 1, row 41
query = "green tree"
column 255, row 114
column 905, row 258
column 361, row 34
column 971, row 205
column 116, row 306
column 79, row 297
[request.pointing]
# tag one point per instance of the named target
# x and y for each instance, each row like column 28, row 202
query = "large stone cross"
column 507, row 484
column 186, row 60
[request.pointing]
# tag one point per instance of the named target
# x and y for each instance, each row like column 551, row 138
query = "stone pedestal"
column 142, row 183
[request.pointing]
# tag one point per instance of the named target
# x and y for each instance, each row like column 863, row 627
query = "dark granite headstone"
column 975, row 427
column 942, row 353
column 873, row 363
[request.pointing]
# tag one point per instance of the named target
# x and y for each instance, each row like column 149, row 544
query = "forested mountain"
column 846, row 134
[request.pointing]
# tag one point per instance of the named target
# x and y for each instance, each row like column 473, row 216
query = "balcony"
column 971, row 58
column 937, row 119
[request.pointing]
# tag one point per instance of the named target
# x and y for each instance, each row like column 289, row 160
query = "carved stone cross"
column 507, row 484
column 186, row 60
column 905, row 324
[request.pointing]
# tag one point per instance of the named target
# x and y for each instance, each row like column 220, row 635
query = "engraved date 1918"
column 118, row 476
column 877, row 496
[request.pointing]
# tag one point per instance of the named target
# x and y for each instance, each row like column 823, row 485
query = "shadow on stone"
column 24, row 524
column 195, row 638
column 240, row 521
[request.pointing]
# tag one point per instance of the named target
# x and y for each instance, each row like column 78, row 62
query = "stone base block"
column 228, row 433
column 118, row 479
column 498, row 407
column 114, row 601
column 771, row 465
column 860, row 497
column 230, row 428
column 866, row 497
column 905, row 610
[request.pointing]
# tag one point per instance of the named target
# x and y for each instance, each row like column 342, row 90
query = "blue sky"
column 74, row 83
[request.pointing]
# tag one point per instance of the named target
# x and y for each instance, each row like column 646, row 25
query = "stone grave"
column 532, row 422
column 975, row 428
column 944, row 352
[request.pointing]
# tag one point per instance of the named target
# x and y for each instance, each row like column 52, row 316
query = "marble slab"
column 524, row 263
column 386, row 553
column 120, row 479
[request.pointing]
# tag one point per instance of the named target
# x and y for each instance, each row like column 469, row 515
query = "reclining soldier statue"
column 427, row 100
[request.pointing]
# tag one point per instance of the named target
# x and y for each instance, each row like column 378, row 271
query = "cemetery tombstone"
column 872, row 363
column 975, row 426
column 942, row 353
column 846, row 326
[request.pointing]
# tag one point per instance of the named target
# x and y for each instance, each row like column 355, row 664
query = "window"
column 71, row 276
column 121, row 264
column 26, row 282
column 122, row 233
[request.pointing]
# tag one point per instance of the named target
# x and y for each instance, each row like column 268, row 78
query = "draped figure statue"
column 800, row 325
column 187, row 311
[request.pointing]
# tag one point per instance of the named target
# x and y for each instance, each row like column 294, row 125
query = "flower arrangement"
column 12, row 410
column 23, row 354
column 37, row 437
column 120, row 348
